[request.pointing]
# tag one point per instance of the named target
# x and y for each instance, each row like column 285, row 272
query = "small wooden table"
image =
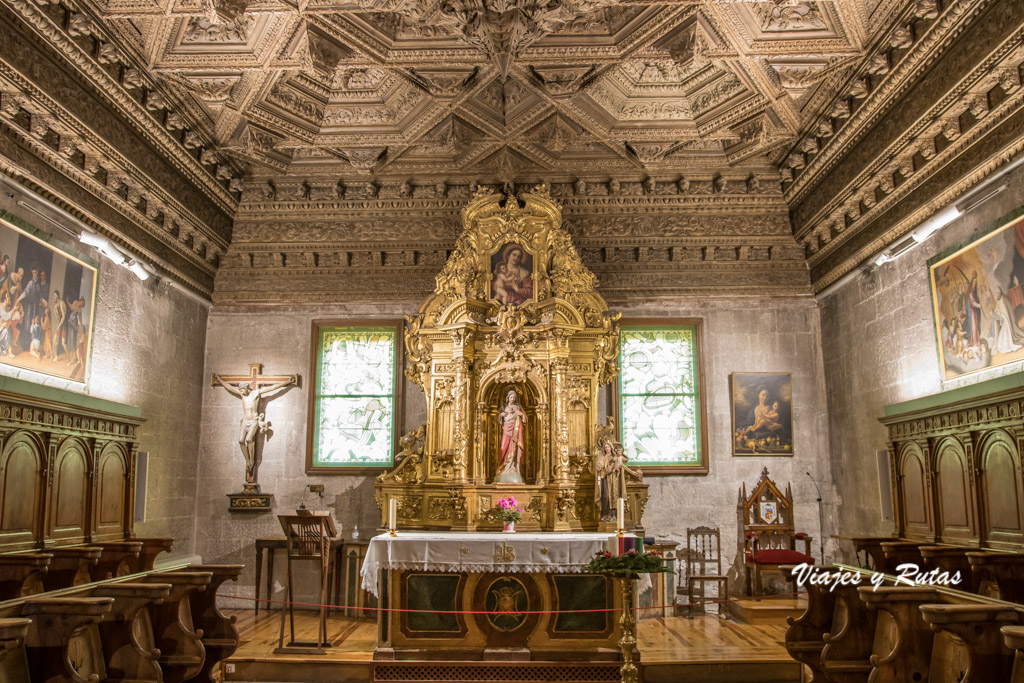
column 270, row 544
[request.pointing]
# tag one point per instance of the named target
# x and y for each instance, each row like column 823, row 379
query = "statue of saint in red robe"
column 512, row 419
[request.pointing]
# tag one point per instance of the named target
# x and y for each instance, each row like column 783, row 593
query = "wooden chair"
column 704, row 565
column 309, row 538
column 766, row 521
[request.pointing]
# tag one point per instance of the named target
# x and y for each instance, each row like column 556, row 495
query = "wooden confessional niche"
column 67, row 472
column 956, row 469
column 516, row 310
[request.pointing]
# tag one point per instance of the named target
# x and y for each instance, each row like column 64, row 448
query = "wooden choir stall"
column 955, row 464
column 510, row 352
column 79, row 596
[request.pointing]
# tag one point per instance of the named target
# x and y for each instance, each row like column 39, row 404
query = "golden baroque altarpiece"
column 553, row 342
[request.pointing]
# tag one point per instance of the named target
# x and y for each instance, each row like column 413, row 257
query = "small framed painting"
column 512, row 274
column 762, row 413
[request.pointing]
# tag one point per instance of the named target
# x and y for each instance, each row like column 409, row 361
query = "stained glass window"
column 355, row 396
column 659, row 398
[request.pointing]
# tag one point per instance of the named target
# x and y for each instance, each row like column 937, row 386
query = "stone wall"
column 879, row 346
column 148, row 344
column 760, row 335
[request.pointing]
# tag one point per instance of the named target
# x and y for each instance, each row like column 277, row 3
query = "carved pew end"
column 975, row 628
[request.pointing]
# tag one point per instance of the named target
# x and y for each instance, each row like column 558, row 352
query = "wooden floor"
column 705, row 648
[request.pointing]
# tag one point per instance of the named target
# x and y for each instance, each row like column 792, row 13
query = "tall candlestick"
column 392, row 515
column 622, row 515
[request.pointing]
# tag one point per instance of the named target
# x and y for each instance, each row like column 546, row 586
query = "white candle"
column 392, row 514
column 622, row 513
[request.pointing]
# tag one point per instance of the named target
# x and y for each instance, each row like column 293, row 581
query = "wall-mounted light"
column 114, row 253
column 936, row 223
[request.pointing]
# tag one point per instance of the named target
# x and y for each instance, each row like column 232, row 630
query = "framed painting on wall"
column 47, row 300
column 762, row 413
column 978, row 302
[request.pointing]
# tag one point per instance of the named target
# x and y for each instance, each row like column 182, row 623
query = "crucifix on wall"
column 251, row 388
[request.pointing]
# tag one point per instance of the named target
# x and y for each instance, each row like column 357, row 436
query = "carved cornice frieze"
column 842, row 260
column 75, row 138
column 118, row 97
column 862, row 191
column 936, row 36
column 664, row 251
column 756, row 194
column 146, row 203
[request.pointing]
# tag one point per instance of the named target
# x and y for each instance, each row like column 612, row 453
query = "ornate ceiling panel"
column 402, row 88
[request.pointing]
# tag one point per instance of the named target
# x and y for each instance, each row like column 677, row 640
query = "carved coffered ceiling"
column 786, row 135
column 496, row 90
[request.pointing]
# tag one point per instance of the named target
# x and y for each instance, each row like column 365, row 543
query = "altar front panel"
column 498, row 616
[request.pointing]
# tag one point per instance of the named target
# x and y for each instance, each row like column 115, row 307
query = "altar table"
column 469, row 596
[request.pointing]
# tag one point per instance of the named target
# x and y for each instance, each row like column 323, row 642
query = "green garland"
column 632, row 564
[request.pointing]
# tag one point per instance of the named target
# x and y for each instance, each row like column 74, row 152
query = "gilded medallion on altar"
column 511, row 351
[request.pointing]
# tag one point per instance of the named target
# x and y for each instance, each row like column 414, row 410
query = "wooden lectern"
column 308, row 535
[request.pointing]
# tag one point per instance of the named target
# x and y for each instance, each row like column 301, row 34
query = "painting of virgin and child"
column 512, row 274
column 762, row 413
column 46, row 304
column 978, row 302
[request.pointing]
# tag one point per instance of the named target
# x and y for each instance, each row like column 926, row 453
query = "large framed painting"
column 762, row 413
column 978, row 302
column 47, row 300
column 512, row 274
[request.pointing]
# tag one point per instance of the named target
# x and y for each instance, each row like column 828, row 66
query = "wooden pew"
column 182, row 654
column 151, row 547
column 951, row 559
column 968, row 644
column 804, row 635
column 871, row 546
column 21, row 574
column 126, row 632
column 1005, row 569
column 115, row 559
column 60, row 644
column 13, row 659
column 1013, row 638
column 901, row 552
column 902, row 645
column 70, row 566
column 220, row 637
column 845, row 657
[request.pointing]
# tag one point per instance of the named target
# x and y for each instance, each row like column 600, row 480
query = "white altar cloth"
column 453, row 551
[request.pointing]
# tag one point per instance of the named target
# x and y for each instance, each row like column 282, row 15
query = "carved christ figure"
column 253, row 421
column 512, row 419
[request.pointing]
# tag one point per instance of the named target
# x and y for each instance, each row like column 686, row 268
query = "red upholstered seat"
column 779, row 556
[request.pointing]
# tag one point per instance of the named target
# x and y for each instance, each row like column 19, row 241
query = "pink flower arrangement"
column 509, row 510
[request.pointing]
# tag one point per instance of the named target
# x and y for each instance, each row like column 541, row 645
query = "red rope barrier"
column 437, row 611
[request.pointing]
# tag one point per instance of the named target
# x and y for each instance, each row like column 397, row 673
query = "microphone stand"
column 821, row 520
